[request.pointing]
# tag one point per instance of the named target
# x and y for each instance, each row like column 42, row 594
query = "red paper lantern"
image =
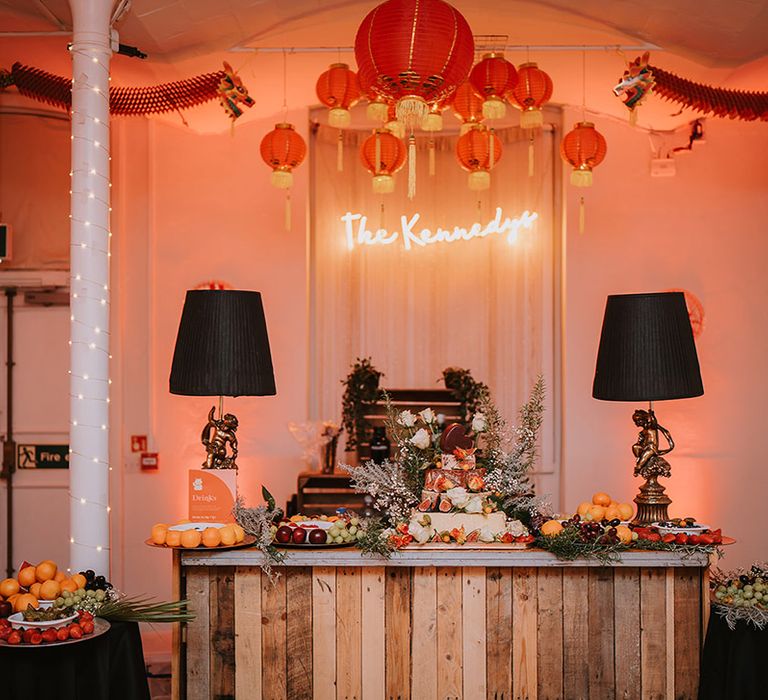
column 283, row 150
column 338, row 90
column 493, row 77
column 413, row 53
column 533, row 89
column 467, row 106
column 476, row 156
column 382, row 154
column 584, row 148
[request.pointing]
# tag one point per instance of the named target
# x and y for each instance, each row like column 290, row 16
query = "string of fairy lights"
column 89, row 306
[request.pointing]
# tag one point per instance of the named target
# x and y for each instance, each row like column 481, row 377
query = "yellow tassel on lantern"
column 411, row 166
column 530, row 156
column 377, row 154
column 581, row 214
column 581, row 178
column 494, row 108
column 287, row 221
column 432, row 157
column 340, row 152
column 411, row 111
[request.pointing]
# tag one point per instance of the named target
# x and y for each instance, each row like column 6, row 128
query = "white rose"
column 407, row 419
column 486, row 535
column 516, row 528
column 479, row 423
column 427, row 415
column 474, row 505
column 421, row 439
column 458, row 496
column 419, row 532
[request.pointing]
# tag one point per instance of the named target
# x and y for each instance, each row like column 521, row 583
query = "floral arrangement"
column 396, row 485
column 741, row 595
column 259, row 522
column 361, row 387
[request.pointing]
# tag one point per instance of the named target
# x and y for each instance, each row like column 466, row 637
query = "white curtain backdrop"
column 487, row 304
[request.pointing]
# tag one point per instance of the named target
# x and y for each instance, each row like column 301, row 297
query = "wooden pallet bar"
column 334, row 625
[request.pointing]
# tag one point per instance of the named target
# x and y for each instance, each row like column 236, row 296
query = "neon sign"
column 357, row 232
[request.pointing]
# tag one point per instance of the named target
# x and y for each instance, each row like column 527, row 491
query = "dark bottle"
column 379, row 445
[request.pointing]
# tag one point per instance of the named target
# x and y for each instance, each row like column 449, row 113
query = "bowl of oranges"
column 36, row 586
column 193, row 535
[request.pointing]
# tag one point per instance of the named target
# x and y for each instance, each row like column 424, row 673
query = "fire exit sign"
column 43, row 457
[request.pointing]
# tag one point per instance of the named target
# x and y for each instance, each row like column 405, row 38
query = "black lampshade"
column 222, row 348
column 646, row 350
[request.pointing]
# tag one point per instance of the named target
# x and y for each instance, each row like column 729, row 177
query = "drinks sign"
column 412, row 235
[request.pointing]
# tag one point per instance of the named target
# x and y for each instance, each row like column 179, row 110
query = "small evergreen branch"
column 361, row 388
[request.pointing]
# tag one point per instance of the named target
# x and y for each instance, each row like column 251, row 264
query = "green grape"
column 333, row 532
column 338, row 540
column 354, row 521
column 352, row 530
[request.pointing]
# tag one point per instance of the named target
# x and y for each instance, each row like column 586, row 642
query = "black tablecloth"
column 108, row 667
column 734, row 665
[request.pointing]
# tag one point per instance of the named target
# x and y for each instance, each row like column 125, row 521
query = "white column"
column 89, row 300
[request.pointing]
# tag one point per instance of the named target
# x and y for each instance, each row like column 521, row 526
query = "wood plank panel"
column 198, row 635
column 324, row 632
column 372, row 590
column 248, row 632
column 549, row 670
column 424, row 667
column 449, row 647
column 653, row 634
column 298, row 647
column 498, row 616
column 626, row 616
column 601, row 638
column 687, row 628
column 349, row 647
column 524, row 639
column 222, row 621
column 273, row 638
column 473, row 633
column 177, row 593
column 575, row 631
column 397, row 621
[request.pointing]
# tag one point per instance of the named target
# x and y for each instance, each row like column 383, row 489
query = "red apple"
column 6, row 609
column 318, row 536
column 299, row 535
column 283, row 534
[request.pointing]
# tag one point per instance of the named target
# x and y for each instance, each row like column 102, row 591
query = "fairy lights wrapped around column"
column 584, row 148
column 493, row 77
column 282, row 149
column 479, row 151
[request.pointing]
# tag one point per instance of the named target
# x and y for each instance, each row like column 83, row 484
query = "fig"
column 425, row 505
column 283, row 534
column 299, row 535
column 445, row 505
column 318, row 536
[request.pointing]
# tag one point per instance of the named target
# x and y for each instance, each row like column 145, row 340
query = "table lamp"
column 647, row 353
column 222, row 349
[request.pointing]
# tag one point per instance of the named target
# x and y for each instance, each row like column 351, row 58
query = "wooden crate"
column 443, row 633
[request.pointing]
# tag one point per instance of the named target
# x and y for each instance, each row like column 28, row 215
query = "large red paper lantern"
column 338, row 89
column 413, row 53
column 382, row 154
column 478, row 152
column 533, row 89
column 584, row 148
column 283, row 150
column 493, row 77
column 467, row 106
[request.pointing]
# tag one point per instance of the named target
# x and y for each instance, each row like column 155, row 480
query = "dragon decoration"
column 640, row 79
column 56, row 91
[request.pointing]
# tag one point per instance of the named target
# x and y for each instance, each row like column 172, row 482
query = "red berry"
column 87, row 626
column 62, row 634
column 14, row 637
column 75, row 631
column 681, row 538
column 49, row 635
column 27, row 635
column 36, row 638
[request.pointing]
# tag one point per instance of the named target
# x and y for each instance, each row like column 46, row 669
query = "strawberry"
column 706, row 538
column 5, row 632
column 653, row 537
column 27, row 635
column 87, row 626
column 75, row 631
column 62, row 634
column 14, row 637
column 49, row 636
column 694, row 539
column 507, row 538
column 36, row 638
column 668, row 538
column 681, row 538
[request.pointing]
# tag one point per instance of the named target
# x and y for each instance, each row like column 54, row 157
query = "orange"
column 626, row 511
column 583, row 508
column 597, row 512
column 211, row 537
column 191, row 538
column 45, row 571
column 50, row 590
column 624, row 533
column 9, row 587
column 27, row 576
column 12, row 599
column 551, row 527
column 60, row 576
column 173, row 538
column 79, row 580
column 69, row 585
column 601, row 499
column 228, row 535
column 239, row 532
column 24, row 601
column 158, row 533
column 34, row 589
column 612, row 512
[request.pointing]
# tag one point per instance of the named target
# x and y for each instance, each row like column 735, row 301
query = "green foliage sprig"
column 361, row 388
column 466, row 390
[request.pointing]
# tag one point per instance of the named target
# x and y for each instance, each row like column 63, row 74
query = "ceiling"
column 709, row 32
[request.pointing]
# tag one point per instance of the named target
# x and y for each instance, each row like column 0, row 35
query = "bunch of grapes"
column 745, row 591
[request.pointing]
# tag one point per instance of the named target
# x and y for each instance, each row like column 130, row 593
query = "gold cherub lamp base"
column 652, row 502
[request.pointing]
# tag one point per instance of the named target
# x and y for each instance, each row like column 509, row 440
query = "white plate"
column 194, row 526
column 18, row 622
column 695, row 530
